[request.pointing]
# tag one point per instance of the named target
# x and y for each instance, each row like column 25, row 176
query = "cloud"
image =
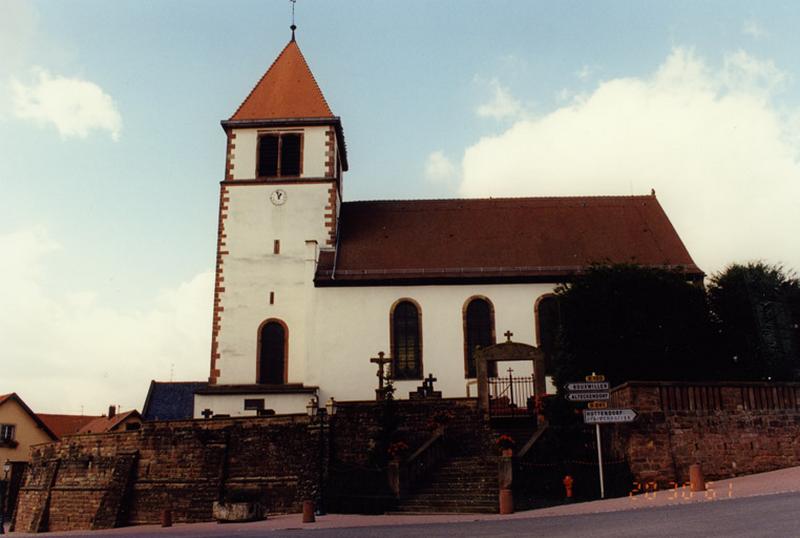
column 503, row 105
column 715, row 143
column 74, row 106
column 584, row 72
column 754, row 29
column 66, row 352
column 438, row 168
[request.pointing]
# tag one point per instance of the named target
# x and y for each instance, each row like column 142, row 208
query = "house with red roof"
column 310, row 286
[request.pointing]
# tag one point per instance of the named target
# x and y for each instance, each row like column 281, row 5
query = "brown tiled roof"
column 105, row 424
column 63, row 425
column 286, row 91
column 498, row 239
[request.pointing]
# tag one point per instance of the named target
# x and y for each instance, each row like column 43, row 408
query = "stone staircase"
column 464, row 484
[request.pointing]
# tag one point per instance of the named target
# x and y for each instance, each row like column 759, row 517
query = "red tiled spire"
column 286, row 91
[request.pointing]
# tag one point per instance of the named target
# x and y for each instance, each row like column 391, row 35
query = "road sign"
column 587, row 396
column 608, row 416
column 595, row 386
column 595, row 378
column 598, row 405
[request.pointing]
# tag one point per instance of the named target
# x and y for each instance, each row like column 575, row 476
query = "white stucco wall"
column 251, row 271
column 233, row 404
column 246, row 142
column 351, row 324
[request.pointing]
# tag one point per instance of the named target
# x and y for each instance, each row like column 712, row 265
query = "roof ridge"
column 505, row 198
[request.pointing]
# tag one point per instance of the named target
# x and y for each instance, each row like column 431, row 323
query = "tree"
column 756, row 311
column 633, row 323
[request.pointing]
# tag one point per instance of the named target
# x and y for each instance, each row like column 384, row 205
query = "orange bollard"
column 506, row 501
column 166, row 518
column 308, row 512
column 568, row 481
column 696, row 480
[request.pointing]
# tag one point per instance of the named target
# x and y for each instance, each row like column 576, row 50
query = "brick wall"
column 731, row 429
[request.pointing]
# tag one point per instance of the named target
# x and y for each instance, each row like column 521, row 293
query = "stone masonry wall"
column 731, row 429
column 108, row 480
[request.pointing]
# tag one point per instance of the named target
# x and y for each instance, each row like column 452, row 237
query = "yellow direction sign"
column 598, row 405
column 594, row 378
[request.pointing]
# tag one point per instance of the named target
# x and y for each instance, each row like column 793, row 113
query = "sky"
column 111, row 152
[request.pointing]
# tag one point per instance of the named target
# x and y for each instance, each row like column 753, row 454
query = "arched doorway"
column 272, row 353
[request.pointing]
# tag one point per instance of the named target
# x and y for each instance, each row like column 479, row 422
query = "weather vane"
column 293, row 26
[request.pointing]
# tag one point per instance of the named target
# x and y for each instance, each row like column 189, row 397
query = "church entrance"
column 506, row 394
column 272, row 353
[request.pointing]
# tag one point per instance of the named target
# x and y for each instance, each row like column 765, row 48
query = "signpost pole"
column 600, row 461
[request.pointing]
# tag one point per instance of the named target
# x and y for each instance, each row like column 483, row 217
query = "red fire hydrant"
column 568, row 481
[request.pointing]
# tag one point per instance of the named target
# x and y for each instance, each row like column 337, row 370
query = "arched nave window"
column 478, row 330
column 273, row 350
column 548, row 324
column 406, row 340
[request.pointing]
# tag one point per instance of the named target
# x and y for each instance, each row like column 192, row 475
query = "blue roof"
column 169, row 400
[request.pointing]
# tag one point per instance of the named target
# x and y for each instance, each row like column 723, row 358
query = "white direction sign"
column 602, row 385
column 608, row 416
column 587, row 396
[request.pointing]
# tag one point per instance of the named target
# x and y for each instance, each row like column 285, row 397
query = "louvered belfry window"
column 406, row 341
column 478, row 331
column 280, row 155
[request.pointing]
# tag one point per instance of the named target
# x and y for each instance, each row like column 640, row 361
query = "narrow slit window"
column 276, row 247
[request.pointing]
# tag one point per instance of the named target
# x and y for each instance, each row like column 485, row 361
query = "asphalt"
column 763, row 484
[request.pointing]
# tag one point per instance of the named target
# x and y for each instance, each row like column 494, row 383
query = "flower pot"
column 507, row 452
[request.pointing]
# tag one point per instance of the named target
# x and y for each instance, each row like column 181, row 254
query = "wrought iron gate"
column 511, row 396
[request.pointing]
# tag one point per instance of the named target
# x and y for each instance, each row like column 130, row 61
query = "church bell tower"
column 279, row 203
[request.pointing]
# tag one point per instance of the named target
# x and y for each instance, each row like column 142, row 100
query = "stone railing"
column 407, row 475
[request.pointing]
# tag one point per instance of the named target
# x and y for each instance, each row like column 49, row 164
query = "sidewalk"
column 781, row 481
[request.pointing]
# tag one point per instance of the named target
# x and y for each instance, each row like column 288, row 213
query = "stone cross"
column 508, row 335
column 207, row 413
column 428, row 384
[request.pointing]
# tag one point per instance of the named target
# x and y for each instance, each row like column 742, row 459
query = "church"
column 309, row 287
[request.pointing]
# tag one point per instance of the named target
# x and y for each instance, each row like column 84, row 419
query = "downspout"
column 336, row 250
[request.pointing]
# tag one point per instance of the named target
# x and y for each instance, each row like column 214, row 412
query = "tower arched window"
column 478, row 331
column 272, row 353
column 406, row 340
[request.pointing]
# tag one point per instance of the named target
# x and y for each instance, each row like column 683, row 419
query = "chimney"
column 112, row 411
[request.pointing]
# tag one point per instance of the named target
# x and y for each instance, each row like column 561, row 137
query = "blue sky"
column 111, row 150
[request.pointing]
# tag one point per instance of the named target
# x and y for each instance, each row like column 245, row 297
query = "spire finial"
column 293, row 26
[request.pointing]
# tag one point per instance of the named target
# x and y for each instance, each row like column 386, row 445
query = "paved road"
column 772, row 515
column 751, row 517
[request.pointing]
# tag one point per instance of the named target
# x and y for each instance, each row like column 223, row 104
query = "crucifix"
column 381, row 360
column 508, row 335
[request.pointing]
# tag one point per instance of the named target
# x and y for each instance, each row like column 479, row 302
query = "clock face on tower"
column 278, row 197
